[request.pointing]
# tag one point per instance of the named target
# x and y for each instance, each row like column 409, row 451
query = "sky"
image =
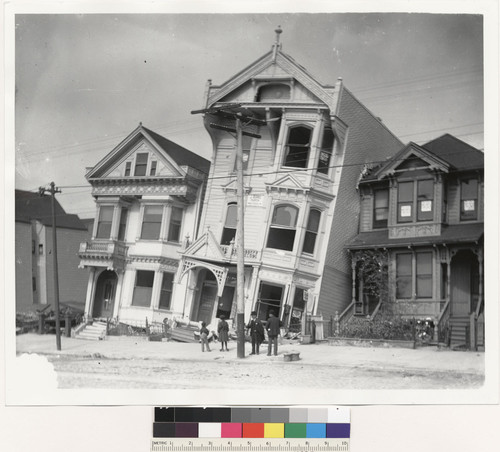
column 83, row 82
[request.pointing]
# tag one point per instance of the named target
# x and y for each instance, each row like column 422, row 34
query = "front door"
column 105, row 295
column 207, row 302
column 460, row 282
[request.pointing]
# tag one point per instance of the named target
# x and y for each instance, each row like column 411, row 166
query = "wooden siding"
column 335, row 292
column 366, row 219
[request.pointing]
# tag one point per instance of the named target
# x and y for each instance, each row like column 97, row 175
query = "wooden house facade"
column 148, row 192
column 300, row 200
column 424, row 209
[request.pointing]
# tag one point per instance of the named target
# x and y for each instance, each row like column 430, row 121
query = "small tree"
column 373, row 268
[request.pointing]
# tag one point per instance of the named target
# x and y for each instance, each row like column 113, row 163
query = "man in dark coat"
column 256, row 330
column 273, row 331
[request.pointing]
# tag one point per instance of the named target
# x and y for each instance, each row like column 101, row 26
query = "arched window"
column 297, row 147
column 229, row 231
column 311, row 231
column 273, row 92
column 282, row 229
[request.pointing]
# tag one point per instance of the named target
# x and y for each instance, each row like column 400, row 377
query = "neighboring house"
column 424, row 210
column 301, row 205
column 148, row 192
column 34, row 262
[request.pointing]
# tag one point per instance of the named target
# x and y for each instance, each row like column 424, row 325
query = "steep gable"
column 145, row 153
column 206, row 247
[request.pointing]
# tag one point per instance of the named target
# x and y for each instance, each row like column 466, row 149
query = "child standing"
column 204, row 337
column 223, row 330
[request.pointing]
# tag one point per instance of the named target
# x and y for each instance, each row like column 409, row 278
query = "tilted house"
column 424, row 209
column 148, row 192
column 34, row 258
column 300, row 204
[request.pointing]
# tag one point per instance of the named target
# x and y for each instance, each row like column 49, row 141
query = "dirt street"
column 99, row 372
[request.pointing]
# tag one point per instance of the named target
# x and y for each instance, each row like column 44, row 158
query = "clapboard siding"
column 453, row 202
column 366, row 220
column 335, row 293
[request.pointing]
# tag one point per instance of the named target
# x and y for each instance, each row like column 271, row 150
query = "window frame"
column 172, row 223
column 415, row 276
column 226, row 230
column 324, row 149
column 416, row 202
column 164, row 290
column 274, row 228
column 475, row 215
column 310, row 232
column 100, row 223
column 145, row 207
column 288, row 145
column 135, row 293
column 122, row 225
column 142, row 165
column 380, row 224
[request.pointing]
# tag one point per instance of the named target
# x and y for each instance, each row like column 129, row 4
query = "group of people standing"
column 255, row 328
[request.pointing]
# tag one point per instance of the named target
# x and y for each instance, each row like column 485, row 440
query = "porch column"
column 354, row 261
column 118, row 294
column 90, row 289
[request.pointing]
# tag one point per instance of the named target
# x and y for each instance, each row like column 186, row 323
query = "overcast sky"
column 84, row 82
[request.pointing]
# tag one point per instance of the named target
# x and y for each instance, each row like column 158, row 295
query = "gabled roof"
column 460, row 155
column 31, row 206
column 176, row 155
column 284, row 62
column 446, row 153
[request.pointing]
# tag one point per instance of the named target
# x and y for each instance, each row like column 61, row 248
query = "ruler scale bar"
column 247, row 445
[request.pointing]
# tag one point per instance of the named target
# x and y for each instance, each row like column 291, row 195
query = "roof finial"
column 277, row 45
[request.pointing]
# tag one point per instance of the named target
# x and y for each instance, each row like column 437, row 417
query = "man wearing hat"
column 256, row 330
column 273, row 331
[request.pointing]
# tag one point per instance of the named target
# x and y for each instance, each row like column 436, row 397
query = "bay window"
column 143, row 288
column 311, row 231
column 297, row 147
column 151, row 222
column 414, row 275
column 104, row 223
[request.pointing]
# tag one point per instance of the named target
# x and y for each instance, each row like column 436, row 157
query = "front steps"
column 459, row 332
column 92, row 332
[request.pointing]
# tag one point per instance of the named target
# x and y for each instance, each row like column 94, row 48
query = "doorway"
column 104, row 299
column 464, row 282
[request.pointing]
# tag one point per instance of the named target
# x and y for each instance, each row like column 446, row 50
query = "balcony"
column 231, row 253
column 103, row 253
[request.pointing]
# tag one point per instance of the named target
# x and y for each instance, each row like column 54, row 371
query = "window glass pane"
column 123, row 224
column 403, row 262
column 152, row 222
column 285, row 216
column 127, row 168
column 153, row 168
column 141, row 164
column 105, row 222
column 281, row 239
column 381, row 208
column 231, row 216
column 425, row 189
column 405, row 192
column 313, row 222
column 166, row 290
column 143, row 288
column 309, row 242
column 424, row 275
column 174, row 230
column 326, row 151
column 469, row 189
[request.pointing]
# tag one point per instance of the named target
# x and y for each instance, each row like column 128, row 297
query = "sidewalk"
column 123, row 347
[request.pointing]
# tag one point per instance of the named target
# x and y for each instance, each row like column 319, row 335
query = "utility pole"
column 230, row 111
column 53, row 190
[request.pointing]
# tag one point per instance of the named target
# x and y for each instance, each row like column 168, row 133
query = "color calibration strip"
column 242, row 422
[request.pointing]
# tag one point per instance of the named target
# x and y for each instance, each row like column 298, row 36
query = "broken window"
column 297, row 147
column 229, row 231
column 325, row 153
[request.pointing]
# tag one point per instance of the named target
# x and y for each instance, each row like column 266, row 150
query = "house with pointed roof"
column 301, row 203
column 33, row 243
column 148, row 192
column 423, row 211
